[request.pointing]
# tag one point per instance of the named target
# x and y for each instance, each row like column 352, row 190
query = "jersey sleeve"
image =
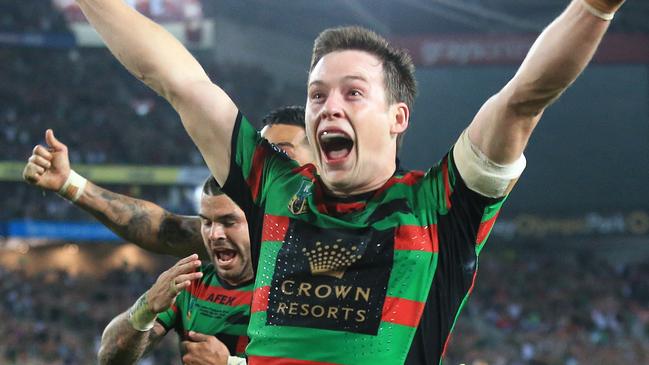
column 168, row 319
column 254, row 165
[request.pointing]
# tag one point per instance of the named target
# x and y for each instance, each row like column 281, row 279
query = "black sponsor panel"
column 331, row 279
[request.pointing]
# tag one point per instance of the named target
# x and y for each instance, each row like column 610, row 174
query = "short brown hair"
column 398, row 68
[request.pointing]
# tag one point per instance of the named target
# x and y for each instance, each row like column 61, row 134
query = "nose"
column 332, row 108
column 217, row 232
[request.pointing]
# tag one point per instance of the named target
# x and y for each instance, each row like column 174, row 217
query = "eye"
column 355, row 92
column 316, row 96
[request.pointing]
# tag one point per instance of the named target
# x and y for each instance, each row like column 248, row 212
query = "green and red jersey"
column 372, row 279
column 212, row 307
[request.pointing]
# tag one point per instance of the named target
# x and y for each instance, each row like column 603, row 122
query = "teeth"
column 331, row 135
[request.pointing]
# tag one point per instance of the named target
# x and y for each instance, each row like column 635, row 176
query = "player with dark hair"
column 208, row 305
column 359, row 262
column 155, row 229
column 284, row 127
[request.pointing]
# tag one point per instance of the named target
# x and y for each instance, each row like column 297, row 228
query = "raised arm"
column 132, row 333
column 504, row 124
column 154, row 56
column 138, row 221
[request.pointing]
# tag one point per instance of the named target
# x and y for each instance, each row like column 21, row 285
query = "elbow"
column 103, row 356
column 531, row 101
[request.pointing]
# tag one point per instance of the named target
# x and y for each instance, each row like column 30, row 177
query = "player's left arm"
column 502, row 127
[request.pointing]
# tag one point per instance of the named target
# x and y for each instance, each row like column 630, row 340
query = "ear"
column 401, row 118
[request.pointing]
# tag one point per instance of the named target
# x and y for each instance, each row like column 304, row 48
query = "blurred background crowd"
column 567, row 305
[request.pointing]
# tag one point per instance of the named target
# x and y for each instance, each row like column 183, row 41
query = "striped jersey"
column 372, row 279
column 212, row 307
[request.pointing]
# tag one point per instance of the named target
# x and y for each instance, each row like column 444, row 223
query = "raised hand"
column 48, row 167
column 201, row 349
column 171, row 282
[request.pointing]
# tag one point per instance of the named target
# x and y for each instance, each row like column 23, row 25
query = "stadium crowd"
column 563, row 309
column 557, row 309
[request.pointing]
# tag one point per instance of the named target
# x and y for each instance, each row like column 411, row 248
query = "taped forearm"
column 121, row 343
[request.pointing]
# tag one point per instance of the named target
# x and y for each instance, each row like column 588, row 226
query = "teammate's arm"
column 505, row 122
column 122, row 344
column 129, row 335
column 154, row 56
column 138, row 221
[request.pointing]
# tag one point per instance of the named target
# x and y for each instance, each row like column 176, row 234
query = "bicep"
column 208, row 115
column 501, row 132
column 181, row 235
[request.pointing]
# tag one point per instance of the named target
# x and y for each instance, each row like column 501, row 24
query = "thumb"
column 52, row 141
column 198, row 337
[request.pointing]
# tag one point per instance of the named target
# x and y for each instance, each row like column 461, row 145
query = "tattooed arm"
column 122, row 344
column 141, row 222
column 129, row 335
column 144, row 223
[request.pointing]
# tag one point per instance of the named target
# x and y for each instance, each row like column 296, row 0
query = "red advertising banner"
column 503, row 49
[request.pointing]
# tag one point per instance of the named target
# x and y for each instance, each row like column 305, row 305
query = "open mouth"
column 336, row 145
column 225, row 256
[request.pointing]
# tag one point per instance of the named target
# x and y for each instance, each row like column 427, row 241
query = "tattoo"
column 144, row 223
column 122, row 344
column 130, row 219
column 181, row 232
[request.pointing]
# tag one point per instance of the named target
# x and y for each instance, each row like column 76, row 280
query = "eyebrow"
column 220, row 218
column 345, row 78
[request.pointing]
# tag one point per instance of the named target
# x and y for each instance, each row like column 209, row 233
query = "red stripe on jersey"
column 411, row 178
column 256, row 170
column 344, row 208
column 260, row 299
column 416, row 238
column 267, row 360
column 485, row 228
column 221, row 295
column 242, row 342
column 275, row 228
column 447, row 183
column 402, row 311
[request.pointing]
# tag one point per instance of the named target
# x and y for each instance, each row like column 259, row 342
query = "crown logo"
column 331, row 259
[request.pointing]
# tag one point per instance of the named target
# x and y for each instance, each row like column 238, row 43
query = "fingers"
column 42, row 152
column 187, row 259
column 198, row 337
column 185, row 280
column 52, row 141
column 37, row 164
column 40, row 162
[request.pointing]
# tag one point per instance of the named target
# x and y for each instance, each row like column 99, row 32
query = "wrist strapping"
column 139, row 315
column 234, row 360
column 598, row 9
column 73, row 187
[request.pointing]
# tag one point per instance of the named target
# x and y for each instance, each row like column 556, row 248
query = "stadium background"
column 565, row 279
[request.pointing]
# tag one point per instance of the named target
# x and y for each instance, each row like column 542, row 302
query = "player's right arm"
column 122, row 344
column 138, row 221
column 154, row 56
column 132, row 333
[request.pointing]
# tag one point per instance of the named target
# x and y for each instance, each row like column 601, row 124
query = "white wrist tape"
column 596, row 12
column 479, row 173
column 73, row 187
column 139, row 315
column 234, row 360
